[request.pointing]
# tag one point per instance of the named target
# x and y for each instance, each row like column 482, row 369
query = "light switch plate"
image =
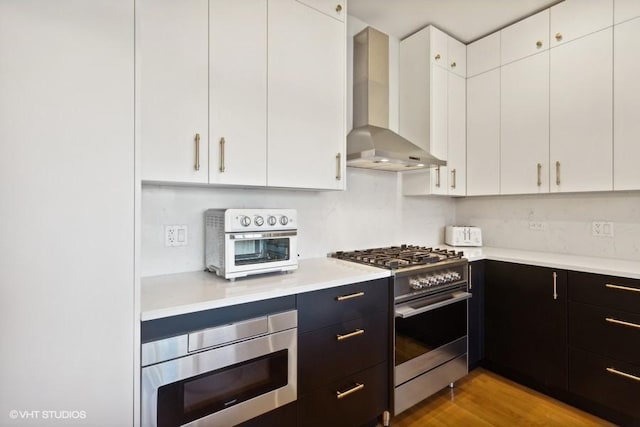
column 175, row 235
column 602, row 229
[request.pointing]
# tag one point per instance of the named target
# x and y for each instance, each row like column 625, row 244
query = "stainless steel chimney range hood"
column 371, row 144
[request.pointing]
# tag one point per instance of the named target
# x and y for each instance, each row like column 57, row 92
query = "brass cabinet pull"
column 539, row 43
column 197, row 165
column 623, row 374
column 622, row 288
column 437, row 57
column 555, row 285
column 539, row 174
column 438, row 176
column 470, row 281
column 350, row 335
column 453, row 178
column 222, row 142
column 339, row 166
column 453, row 65
column 343, row 394
column 558, row 36
column 339, row 8
column 350, row 296
column 557, row 173
column 622, row 322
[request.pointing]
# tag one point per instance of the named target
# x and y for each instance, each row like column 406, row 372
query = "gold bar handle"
column 343, row 394
column 557, row 173
column 622, row 322
column 339, row 166
column 623, row 374
column 350, row 296
column 539, row 174
column 222, row 142
column 437, row 176
column 470, row 281
column 197, row 165
column 555, row 285
column 622, row 288
column 350, row 335
column 453, row 178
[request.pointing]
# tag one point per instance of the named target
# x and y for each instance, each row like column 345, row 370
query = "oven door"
column 257, row 251
column 429, row 331
column 222, row 386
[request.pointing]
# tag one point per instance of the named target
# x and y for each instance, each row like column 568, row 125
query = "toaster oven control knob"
column 245, row 221
column 271, row 220
column 284, row 220
column 258, row 220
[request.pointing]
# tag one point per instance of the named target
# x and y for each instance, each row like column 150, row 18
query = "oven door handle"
column 406, row 310
column 259, row 235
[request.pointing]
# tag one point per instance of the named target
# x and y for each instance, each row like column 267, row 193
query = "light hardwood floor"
column 483, row 398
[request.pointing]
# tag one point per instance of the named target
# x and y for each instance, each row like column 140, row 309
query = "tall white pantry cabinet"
column 68, row 191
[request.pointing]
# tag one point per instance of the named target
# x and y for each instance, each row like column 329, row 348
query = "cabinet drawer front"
column 340, row 350
column 368, row 399
column 606, row 332
column 335, row 305
column 589, row 378
column 618, row 293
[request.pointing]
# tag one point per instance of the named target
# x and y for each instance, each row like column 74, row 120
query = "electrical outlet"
column 537, row 225
column 175, row 235
column 602, row 229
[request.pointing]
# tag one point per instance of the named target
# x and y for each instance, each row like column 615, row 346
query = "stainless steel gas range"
column 430, row 293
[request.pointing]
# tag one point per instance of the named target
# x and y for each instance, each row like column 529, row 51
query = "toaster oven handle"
column 415, row 307
column 268, row 235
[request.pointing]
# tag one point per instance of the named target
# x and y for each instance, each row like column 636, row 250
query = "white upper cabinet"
column 438, row 46
column 626, row 95
column 525, row 38
column 306, row 97
column 483, row 133
column 172, row 59
column 431, row 104
column 333, row 8
column 625, row 10
column 524, row 126
column 581, row 92
column 238, row 92
column 456, row 135
column 457, row 53
column 483, row 55
column 572, row 19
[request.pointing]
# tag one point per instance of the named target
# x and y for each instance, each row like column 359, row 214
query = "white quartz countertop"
column 606, row 266
column 175, row 294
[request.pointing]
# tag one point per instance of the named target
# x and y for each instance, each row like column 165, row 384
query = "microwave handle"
column 405, row 310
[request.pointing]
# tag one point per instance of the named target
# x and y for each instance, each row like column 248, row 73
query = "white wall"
column 505, row 222
column 370, row 213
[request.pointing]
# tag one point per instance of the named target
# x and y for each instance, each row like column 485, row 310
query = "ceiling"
column 465, row 20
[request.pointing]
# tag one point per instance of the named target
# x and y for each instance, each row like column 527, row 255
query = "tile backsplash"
column 562, row 222
column 370, row 213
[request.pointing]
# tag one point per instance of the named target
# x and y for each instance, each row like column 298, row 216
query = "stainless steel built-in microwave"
column 241, row 242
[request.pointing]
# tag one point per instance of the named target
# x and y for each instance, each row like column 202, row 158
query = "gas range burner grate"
column 398, row 257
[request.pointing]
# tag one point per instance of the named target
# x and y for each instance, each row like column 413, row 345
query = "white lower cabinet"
column 483, row 133
column 581, row 119
column 306, row 97
column 626, row 97
column 524, row 126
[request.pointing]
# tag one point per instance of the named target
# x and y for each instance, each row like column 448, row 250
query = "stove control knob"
column 431, row 281
column 424, row 282
column 455, row 276
column 271, row 220
column 245, row 221
column 258, row 220
column 415, row 284
column 440, row 279
column 284, row 220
